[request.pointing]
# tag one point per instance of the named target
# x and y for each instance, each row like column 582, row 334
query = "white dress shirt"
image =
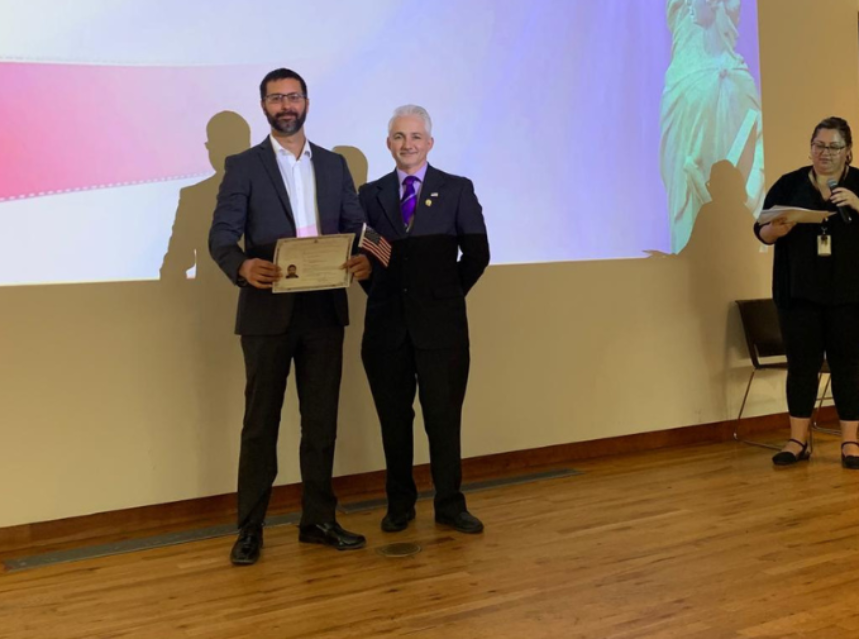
column 300, row 182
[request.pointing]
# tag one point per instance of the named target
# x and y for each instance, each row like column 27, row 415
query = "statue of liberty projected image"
column 710, row 111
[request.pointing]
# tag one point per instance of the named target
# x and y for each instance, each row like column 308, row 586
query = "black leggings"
column 810, row 330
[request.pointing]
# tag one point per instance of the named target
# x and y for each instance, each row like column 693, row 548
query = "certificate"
column 313, row 263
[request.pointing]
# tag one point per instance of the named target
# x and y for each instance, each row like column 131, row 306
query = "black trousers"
column 809, row 331
column 441, row 377
column 318, row 356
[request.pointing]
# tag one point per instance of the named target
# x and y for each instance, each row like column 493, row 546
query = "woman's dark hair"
column 837, row 124
column 281, row 74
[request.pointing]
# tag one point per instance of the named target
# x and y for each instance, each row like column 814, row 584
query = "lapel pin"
column 433, row 194
column 428, row 202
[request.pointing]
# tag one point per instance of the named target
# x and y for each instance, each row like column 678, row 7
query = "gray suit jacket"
column 253, row 203
column 421, row 294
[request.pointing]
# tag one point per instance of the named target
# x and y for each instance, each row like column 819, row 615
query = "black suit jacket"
column 422, row 292
column 253, row 203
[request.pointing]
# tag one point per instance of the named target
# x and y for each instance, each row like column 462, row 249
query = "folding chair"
column 764, row 340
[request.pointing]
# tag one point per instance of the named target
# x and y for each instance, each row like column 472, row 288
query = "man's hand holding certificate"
column 316, row 263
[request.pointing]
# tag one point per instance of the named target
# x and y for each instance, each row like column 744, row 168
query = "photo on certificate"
column 313, row 263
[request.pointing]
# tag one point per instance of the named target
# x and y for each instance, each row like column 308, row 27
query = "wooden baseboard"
column 208, row 511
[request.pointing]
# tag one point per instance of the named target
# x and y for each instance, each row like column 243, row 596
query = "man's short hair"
column 411, row 109
column 280, row 74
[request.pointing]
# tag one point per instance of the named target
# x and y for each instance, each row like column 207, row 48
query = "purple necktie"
column 410, row 199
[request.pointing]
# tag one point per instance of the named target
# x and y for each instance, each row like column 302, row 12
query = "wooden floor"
column 703, row 542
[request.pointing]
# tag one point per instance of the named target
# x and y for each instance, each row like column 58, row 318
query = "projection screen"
column 588, row 127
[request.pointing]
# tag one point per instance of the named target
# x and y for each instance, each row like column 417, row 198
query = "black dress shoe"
column 464, row 522
column 393, row 522
column 849, row 461
column 331, row 534
column 787, row 458
column 246, row 549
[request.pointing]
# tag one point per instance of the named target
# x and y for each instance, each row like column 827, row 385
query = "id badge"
column 824, row 245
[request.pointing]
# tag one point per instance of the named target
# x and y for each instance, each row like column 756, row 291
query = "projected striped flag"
column 375, row 244
column 79, row 127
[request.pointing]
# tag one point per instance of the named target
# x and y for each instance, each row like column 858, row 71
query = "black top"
column 798, row 272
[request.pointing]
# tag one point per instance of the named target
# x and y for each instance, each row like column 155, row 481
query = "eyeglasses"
column 279, row 98
column 820, row 148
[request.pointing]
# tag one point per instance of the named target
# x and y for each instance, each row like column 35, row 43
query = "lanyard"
column 824, row 225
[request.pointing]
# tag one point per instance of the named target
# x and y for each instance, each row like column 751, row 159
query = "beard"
column 288, row 127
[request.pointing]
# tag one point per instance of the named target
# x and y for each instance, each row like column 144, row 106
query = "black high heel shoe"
column 849, row 461
column 787, row 458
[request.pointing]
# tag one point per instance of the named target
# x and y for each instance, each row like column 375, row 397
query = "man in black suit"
column 286, row 187
column 416, row 330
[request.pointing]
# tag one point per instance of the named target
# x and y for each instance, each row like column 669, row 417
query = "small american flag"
column 375, row 244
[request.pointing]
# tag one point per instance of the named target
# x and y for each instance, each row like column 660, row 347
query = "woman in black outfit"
column 816, row 287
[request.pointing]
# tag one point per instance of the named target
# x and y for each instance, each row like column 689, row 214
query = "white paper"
column 794, row 215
